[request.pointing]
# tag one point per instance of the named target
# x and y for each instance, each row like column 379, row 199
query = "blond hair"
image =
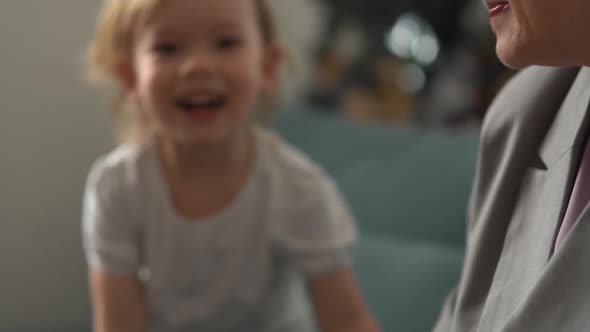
column 113, row 44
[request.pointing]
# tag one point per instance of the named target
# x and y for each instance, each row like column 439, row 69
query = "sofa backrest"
column 406, row 182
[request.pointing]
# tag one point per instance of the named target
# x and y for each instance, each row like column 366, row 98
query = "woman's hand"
column 339, row 304
column 118, row 303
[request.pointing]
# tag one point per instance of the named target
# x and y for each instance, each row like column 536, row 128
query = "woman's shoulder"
column 532, row 96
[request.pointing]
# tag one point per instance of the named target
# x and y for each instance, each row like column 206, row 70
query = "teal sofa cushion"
column 410, row 183
column 406, row 282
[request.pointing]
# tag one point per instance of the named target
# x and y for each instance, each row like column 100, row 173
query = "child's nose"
column 198, row 63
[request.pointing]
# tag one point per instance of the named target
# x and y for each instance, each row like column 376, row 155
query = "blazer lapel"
column 566, row 131
column 560, row 153
column 565, row 143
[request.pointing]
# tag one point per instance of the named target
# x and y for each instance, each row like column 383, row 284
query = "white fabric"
column 241, row 270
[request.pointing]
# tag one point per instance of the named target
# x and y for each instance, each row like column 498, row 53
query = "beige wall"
column 298, row 22
column 52, row 125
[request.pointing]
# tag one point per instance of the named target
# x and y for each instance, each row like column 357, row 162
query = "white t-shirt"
column 240, row 270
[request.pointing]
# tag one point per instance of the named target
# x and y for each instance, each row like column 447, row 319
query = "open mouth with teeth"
column 201, row 107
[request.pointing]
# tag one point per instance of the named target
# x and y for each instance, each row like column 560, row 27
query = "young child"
column 201, row 221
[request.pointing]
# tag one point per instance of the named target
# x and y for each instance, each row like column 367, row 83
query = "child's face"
column 199, row 66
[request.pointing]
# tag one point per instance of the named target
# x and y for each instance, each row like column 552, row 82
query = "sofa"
column 408, row 188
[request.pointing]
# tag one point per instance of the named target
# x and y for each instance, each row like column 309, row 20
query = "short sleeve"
column 109, row 233
column 318, row 234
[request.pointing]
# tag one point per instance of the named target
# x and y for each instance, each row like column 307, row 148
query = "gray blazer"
column 512, row 281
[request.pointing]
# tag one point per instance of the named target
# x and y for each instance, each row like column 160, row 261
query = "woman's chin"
column 518, row 56
column 511, row 57
column 516, row 52
column 513, row 44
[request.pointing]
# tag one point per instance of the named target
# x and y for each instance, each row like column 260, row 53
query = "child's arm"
column 339, row 305
column 111, row 237
column 318, row 237
column 118, row 303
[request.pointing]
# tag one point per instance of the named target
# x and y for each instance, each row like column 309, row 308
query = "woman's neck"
column 207, row 162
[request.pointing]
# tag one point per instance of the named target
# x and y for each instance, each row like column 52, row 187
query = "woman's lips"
column 496, row 8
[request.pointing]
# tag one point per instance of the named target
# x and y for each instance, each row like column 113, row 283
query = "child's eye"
column 229, row 43
column 166, row 49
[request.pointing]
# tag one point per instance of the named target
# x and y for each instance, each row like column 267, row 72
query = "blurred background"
column 387, row 96
column 422, row 62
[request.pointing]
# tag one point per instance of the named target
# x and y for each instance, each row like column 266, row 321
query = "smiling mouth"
column 209, row 104
column 496, row 8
